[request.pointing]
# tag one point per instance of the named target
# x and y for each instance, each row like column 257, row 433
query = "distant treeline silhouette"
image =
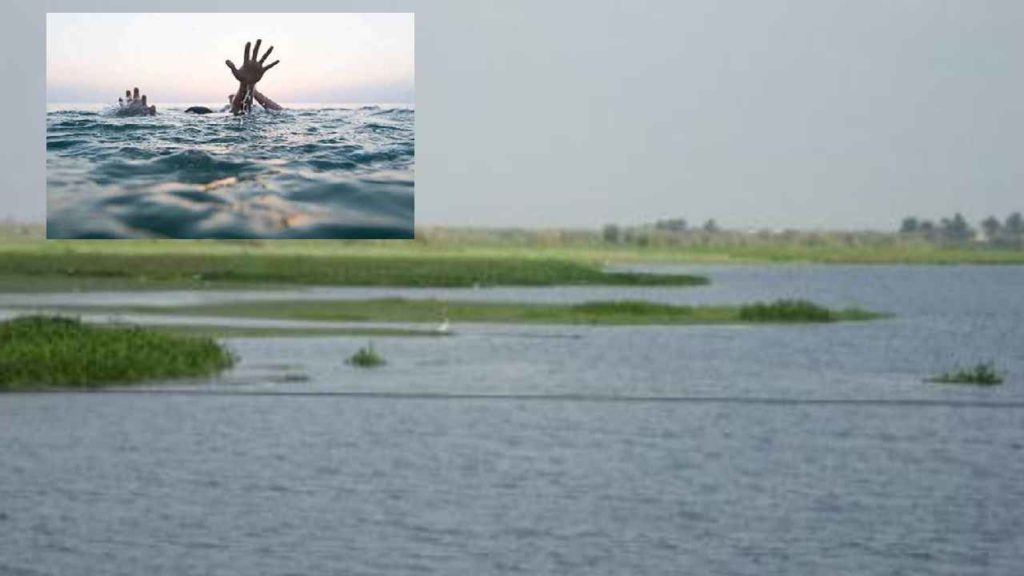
column 955, row 230
column 1007, row 233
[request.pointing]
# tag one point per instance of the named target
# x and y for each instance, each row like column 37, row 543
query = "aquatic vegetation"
column 798, row 311
column 623, row 312
column 366, row 357
column 169, row 268
column 785, row 311
column 636, row 311
column 980, row 374
column 44, row 351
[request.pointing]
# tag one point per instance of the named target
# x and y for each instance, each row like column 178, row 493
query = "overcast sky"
column 179, row 58
column 776, row 113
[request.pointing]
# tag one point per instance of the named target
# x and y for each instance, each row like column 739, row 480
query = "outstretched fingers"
column 256, row 49
column 271, row 66
column 234, row 71
column 266, row 55
column 247, row 46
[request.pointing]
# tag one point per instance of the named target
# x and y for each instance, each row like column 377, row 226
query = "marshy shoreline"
column 429, row 310
column 398, row 289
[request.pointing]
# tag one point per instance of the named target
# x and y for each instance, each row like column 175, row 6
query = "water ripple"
column 330, row 172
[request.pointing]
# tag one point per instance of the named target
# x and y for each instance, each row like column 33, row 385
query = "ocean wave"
column 396, row 112
column 306, row 173
column 190, row 166
column 57, row 143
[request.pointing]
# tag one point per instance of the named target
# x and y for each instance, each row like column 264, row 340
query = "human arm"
column 238, row 101
column 265, row 102
column 251, row 71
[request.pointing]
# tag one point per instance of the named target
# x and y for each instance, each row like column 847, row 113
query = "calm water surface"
column 553, row 450
column 311, row 172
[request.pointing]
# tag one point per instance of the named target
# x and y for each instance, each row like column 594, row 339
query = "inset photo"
column 261, row 126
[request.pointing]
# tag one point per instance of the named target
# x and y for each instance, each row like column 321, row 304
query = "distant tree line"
column 991, row 232
column 1007, row 233
column 642, row 235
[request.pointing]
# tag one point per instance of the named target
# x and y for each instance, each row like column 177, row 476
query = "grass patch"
column 980, row 374
column 366, row 357
column 782, row 311
column 625, row 312
column 169, row 268
column 49, row 351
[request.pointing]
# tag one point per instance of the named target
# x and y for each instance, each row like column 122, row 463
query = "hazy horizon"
column 694, row 225
column 191, row 102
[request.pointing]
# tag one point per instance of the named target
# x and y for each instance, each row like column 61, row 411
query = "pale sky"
column 760, row 113
column 179, row 58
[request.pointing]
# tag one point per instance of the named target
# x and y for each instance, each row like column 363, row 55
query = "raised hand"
column 135, row 106
column 252, row 70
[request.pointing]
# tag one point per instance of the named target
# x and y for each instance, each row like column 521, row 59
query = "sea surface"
column 314, row 171
column 748, row 450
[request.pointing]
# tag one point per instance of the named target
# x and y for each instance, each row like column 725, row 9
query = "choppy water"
column 324, row 172
column 767, row 450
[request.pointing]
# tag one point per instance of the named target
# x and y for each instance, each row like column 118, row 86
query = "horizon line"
column 222, row 101
column 7, row 221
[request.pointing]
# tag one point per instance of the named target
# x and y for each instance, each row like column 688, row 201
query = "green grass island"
column 428, row 311
column 42, row 352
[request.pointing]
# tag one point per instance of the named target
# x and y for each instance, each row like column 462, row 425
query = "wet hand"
column 252, row 70
column 133, row 105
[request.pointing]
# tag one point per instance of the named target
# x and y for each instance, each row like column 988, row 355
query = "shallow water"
column 764, row 450
column 322, row 172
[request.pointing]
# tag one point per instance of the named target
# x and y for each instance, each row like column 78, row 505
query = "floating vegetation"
column 621, row 312
column 52, row 351
column 366, row 357
column 798, row 311
column 980, row 374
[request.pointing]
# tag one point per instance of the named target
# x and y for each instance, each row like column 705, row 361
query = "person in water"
column 132, row 105
column 264, row 101
column 248, row 75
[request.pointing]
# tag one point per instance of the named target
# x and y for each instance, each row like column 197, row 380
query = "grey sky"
column 802, row 113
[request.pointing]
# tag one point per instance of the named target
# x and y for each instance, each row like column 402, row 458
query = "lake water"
column 308, row 172
column 553, row 450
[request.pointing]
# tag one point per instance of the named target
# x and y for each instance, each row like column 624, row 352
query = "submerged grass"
column 49, row 351
column 980, row 374
column 366, row 357
column 781, row 311
column 624, row 312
